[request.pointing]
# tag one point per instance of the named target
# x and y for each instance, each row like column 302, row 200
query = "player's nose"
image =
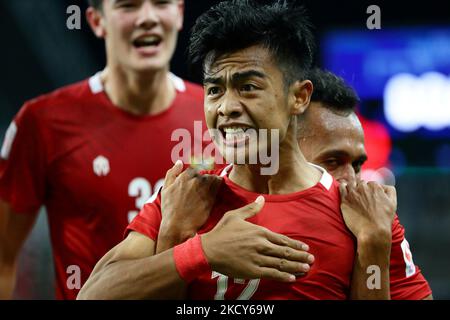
column 147, row 15
column 230, row 107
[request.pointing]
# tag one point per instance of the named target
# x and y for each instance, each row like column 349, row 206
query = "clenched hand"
column 186, row 201
column 368, row 208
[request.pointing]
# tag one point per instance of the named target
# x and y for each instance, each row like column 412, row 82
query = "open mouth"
column 147, row 41
column 235, row 136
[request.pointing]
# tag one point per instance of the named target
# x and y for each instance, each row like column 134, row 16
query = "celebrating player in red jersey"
column 254, row 59
column 94, row 152
column 330, row 135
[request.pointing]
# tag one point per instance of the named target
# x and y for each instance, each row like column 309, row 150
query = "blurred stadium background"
column 401, row 72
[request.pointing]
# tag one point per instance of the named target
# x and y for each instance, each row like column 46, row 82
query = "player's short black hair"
column 97, row 4
column 332, row 91
column 281, row 27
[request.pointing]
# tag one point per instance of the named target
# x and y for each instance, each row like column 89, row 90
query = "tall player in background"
column 93, row 152
column 330, row 135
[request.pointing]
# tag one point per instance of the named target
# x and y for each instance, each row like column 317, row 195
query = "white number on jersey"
column 141, row 189
column 222, row 286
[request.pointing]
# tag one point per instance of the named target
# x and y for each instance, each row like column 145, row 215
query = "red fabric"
column 51, row 163
column 190, row 259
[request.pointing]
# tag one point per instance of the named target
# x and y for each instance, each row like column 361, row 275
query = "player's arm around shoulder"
column 368, row 210
column 131, row 270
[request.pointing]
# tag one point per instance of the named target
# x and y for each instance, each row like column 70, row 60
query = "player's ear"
column 300, row 92
column 180, row 14
column 95, row 18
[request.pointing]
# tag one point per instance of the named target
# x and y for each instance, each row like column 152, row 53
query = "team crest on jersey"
column 101, row 166
column 407, row 256
column 9, row 139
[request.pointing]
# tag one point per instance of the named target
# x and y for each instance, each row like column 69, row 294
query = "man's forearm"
column 370, row 279
column 153, row 277
column 170, row 236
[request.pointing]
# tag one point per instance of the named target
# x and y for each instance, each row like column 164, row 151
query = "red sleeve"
column 23, row 162
column 148, row 221
column 407, row 281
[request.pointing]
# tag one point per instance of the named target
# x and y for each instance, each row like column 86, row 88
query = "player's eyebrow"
column 237, row 77
column 212, row 80
column 341, row 153
column 114, row 2
column 335, row 153
column 362, row 159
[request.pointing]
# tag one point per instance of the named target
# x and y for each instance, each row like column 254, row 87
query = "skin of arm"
column 132, row 271
column 373, row 251
column 14, row 229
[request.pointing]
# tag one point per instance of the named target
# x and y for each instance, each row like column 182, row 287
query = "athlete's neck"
column 294, row 173
column 139, row 93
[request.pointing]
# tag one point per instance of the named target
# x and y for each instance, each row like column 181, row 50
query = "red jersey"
column 92, row 165
column 312, row 216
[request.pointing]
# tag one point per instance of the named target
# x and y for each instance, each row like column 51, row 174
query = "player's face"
column 141, row 35
column 244, row 92
column 335, row 143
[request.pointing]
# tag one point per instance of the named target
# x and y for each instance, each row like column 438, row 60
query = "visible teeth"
column 234, row 130
column 148, row 40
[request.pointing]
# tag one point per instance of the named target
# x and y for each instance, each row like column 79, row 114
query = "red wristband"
column 190, row 260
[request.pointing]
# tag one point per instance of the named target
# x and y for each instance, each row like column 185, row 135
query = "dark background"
column 39, row 54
